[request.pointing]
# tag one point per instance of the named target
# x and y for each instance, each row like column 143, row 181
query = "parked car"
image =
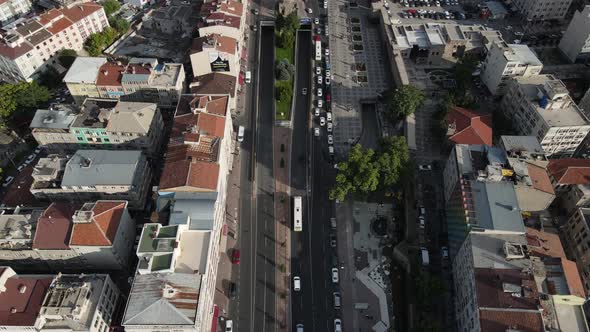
column 21, row 167
column 7, row 181
column 332, row 240
column 330, row 139
column 335, row 277
column 329, row 116
column 316, row 20
column 320, row 103
column 316, row 132
column 309, row 10
column 318, row 70
column 327, row 80
column 229, row 325
column 425, row 167
column 329, row 127
column 320, row 79
column 316, row 111
column 444, row 252
column 304, row 91
column 320, row 92
column 337, row 325
column 30, row 158
column 296, row 283
column 327, row 52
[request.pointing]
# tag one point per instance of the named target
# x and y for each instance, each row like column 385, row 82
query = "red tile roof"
column 219, row 18
column 110, row 74
column 490, row 292
column 80, row 11
column 14, row 52
column 503, row 320
column 214, row 84
column 54, row 227
column 572, row 276
column 544, row 244
column 197, row 174
column 102, row 229
column 214, row 104
column 49, row 15
column 232, row 8
column 540, row 178
column 218, row 42
column 211, row 124
column 22, row 300
column 470, row 127
column 569, row 170
column 60, row 25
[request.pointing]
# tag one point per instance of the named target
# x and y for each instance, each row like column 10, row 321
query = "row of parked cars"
column 422, row 13
column 8, row 180
column 428, row 3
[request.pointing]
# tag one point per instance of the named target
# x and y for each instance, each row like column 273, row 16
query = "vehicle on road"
column 304, row 91
column 325, row 4
column 229, row 325
column 318, row 70
column 320, row 92
column 30, row 158
column 320, row 79
column 425, row 257
column 38, row 150
column 299, row 327
column 248, row 76
column 241, row 130
column 21, row 167
column 254, row 28
column 327, row 80
column 8, row 181
column 335, row 277
column 316, row 20
column 320, row 103
column 330, row 139
column 322, row 121
column 297, row 213
column 425, row 167
column 422, row 211
column 444, row 251
column 255, row 11
column 331, row 149
column 336, row 300
column 329, row 116
column 327, row 52
column 422, row 222
column 328, row 97
column 296, row 283
column 333, row 223
column 332, row 240
column 316, row 132
column 329, row 127
column 235, row 256
column 316, row 111
column 309, row 10
column 318, row 48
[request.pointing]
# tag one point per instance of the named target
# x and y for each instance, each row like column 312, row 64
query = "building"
column 100, row 123
column 540, row 10
column 139, row 3
column 220, row 52
column 81, row 78
column 141, row 80
column 541, row 106
column 10, row 146
column 518, row 161
column 516, row 282
column 216, row 85
column 29, row 47
column 93, row 175
column 12, row 9
column 575, row 43
column 66, row 302
column 95, row 237
column 505, row 61
column 225, row 17
column 575, row 233
column 177, row 20
column 469, row 127
column 571, row 179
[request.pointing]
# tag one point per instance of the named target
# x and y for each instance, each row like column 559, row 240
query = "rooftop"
column 53, row 119
column 94, row 113
column 522, row 54
column 521, row 144
column 195, row 209
column 54, row 227
column 499, row 251
column 495, row 207
column 132, row 117
column 202, row 103
column 17, row 230
column 163, row 299
column 21, row 297
column 570, row 171
column 103, row 168
column 214, row 84
column 84, row 70
column 469, row 127
column 215, row 42
column 157, row 238
column 194, row 250
column 97, row 224
column 506, row 289
column 510, row 321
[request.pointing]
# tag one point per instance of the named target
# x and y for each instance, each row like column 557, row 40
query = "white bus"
column 297, row 214
column 318, row 48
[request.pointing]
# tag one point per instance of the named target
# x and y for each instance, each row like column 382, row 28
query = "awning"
column 241, row 78
column 215, row 318
column 244, row 53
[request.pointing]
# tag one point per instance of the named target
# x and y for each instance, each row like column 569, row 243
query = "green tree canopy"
column 463, row 72
column 97, row 42
column 392, row 160
column 119, row 24
column 50, row 78
column 111, row 6
column 67, row 57
column 21, row 95
column 402, row 102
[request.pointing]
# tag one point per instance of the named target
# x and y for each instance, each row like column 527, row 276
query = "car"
column 7, row 181
column 255, row 11
column 328, row 97
column 318, row 30
column 320, row 103
column 316, row 131
column 437, row 4
column 333, row 223
column 332, row 240
column 318, row 70
column 329, row 116
column 425, row 167
column 337, row 325
column 320, row 92
column 444, row 252
column 21, row 167
column 316, row 20
column 235, row 256
column 229, row 325
column 518, row 33
column 326, row 32
column 322, row 121
column 325, row 4
column 320, row 79
column 327, row 80
column 304, row 91
column 422, row 211
column 422, row 222
column 316, row 111
column 335, row 276
column 327, row 52
column 38, row 150
column 329, row 127
column 299, row 328
column 330, row 139
column 309, row 10
column 232, row 290
column 296, row 283
column 30, row 158
column 254, row 28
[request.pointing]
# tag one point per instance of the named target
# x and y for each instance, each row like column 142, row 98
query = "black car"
column 233, row 290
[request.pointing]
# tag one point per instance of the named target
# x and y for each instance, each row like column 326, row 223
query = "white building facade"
column 539, row 10
column 575, row 43
column 10, row 10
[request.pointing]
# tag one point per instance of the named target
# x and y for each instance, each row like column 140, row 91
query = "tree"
column 111, row 6
column 119, row 24
column 292, row 22
column 50, row 78
column 392, row 160
column 67, row 57
column 404, row 101
column 286, row 39
column 360, row 174
column 428, row 286
column 463, row 72
column 21, row 95
column 284, row 92
column 97, row 42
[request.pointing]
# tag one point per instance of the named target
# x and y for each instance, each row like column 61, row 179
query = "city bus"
column 297, row 214
column 318, row 48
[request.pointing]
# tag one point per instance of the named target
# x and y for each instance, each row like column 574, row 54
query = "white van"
column 248, row 77
column 241, row 134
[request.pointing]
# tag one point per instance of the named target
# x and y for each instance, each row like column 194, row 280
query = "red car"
column 328, row 98
column 235, row 256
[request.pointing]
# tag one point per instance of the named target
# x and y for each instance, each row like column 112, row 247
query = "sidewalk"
column 282, row 136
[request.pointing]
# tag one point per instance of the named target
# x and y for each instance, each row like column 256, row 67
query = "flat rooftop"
column 522, row 54
column 488, row 250
column 194, row 250
column 167, row 74
column 496, row 207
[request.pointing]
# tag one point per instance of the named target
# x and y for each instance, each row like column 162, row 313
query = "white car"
column 320, row 103
column 21, row 167
column 329, row 127
column 327, row 80
column 422, row 222
column 322, row 121
column 320, row 92
column 304, row 91
column 425, row 167
column 328, row 73
column 335, row 276
column 316, row 111
column 229, row 325
column 444, row 252
column 309, row 10
column 325, row 4
column 316, row 132
column 316, row 20
column 318, row 70
column 329, row 116
column 296, row 284
column 8, row 181
column 518, row 33
column 320, row 79
column 330, row 139
column 337, row 325
column 30, row 158
column 327, row 52
column 38, row 150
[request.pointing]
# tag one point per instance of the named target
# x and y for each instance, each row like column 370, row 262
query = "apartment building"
column 225, row 17
column 66, row 302
column 571, row 179
column 220, row 52
column 12, row 9
column 505, row 61
column 514, row 282
column 575, row 232
column 99, row 123
column 141, row 80
column 93, row 175
column 27, row 48
column 10, row 145
column 96, row 237
column 542, row 107
column 540, row 10
column 216, row 85
column 575, row 43
column 466, row 126
column 177, row 19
